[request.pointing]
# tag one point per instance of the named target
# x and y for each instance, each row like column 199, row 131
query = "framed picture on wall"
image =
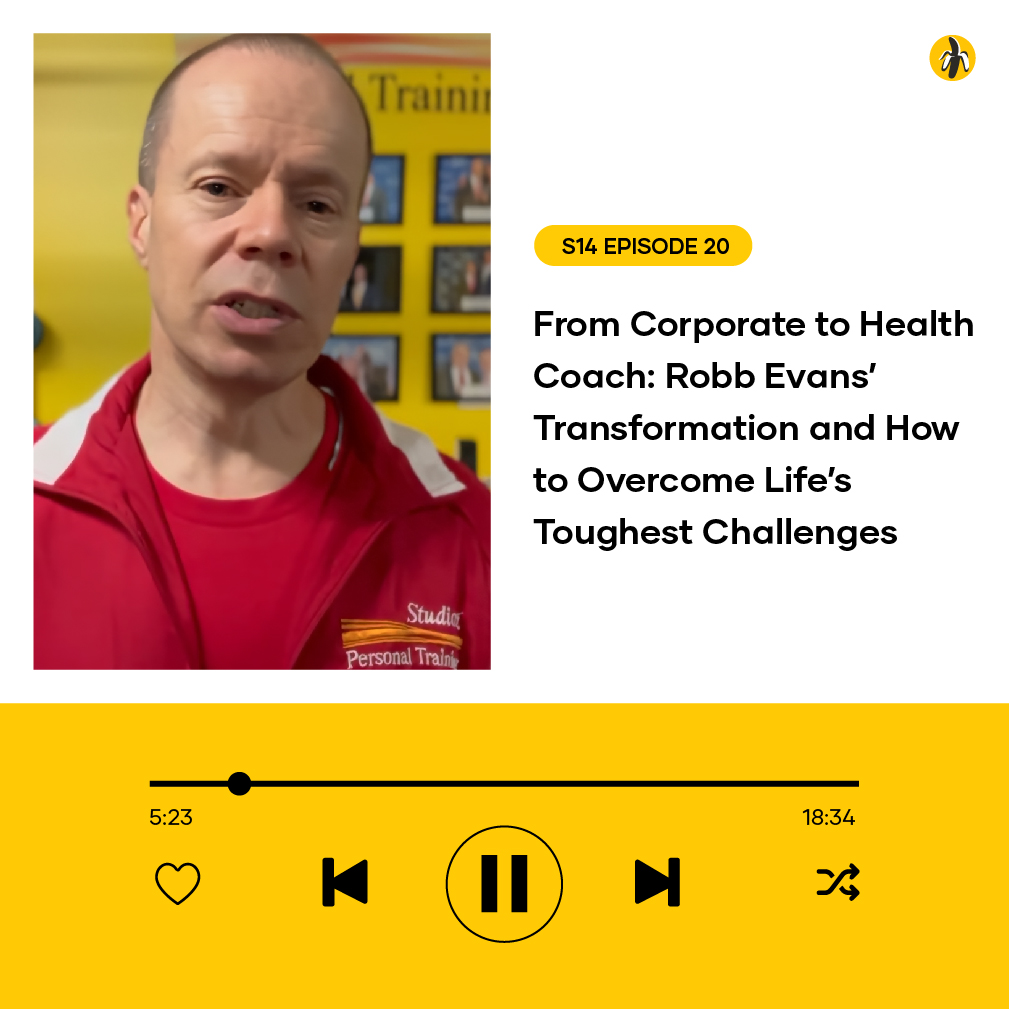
column 462, row 189
column 372, row 361
column 374, row 281
column 461, row 278
column 460, row 367
column 382, row 202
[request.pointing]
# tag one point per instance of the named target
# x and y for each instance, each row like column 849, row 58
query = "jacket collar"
column 86, row 447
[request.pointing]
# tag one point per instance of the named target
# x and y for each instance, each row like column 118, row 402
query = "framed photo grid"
column 460, row 283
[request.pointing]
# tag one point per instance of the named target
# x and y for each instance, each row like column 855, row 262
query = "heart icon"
column 176, row 883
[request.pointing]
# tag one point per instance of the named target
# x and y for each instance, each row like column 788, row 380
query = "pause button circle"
column 504, row 883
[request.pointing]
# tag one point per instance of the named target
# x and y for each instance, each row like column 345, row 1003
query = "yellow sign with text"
column 494, row 855
column 643, row 245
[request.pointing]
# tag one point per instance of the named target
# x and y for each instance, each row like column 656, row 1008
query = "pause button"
column 504, row 883
column 519, row 888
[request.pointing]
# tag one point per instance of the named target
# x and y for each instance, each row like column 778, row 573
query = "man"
column 454, row 376
column 471, row 277
column 360, row 295
column 480, row 387
column 473, row 190
column 374, row 202
column 371, row 379
column 232, row 500
column 484, row 284
column 483, row 362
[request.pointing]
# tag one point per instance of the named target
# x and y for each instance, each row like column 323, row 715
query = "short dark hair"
column 297, row 46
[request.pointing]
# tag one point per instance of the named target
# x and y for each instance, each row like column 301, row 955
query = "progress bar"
column 240, row 783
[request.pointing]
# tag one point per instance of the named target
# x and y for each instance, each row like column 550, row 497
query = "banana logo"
column 952, row 58
column 950, row 55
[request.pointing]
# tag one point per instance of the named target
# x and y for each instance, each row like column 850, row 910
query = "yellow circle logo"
column 952, row 58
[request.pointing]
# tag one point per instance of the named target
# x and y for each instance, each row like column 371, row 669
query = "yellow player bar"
column 595, row 855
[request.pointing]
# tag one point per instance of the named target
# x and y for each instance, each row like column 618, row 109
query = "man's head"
column 255, row 157
column 460, row 354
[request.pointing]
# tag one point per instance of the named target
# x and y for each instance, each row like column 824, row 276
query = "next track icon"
column 648, row 882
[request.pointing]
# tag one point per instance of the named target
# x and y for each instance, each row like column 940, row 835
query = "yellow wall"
column 92, row 93
column 421, row 136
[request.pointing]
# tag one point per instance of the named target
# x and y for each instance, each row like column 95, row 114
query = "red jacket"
column 409, row 588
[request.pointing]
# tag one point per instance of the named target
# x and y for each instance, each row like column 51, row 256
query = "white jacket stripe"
column 423, row 457
column 58, row 447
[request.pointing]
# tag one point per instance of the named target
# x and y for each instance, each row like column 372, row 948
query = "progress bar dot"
column 239, row 783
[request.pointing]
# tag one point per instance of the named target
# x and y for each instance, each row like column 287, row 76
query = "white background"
column 866, row 182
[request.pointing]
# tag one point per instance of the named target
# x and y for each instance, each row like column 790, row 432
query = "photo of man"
column 382, row 202
column 359, row 295
column 371, row 361
column 374, row 202
column 483, row 366
column 483, row 279
column 463, row 189
column 374, row 282
column 461, row 366
column 462, row 276
column 232, row 500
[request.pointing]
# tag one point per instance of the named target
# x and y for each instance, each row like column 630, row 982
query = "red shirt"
column 244, row 560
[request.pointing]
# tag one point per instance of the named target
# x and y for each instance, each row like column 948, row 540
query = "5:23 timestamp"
column 172, row 817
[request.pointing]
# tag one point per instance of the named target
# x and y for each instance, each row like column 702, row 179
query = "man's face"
column 460, row 355
column 252, row 229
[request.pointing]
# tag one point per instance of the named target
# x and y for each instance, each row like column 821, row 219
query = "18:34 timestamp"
column 828, row 817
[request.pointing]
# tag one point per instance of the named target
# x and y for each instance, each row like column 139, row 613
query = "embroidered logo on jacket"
column 419, row 646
